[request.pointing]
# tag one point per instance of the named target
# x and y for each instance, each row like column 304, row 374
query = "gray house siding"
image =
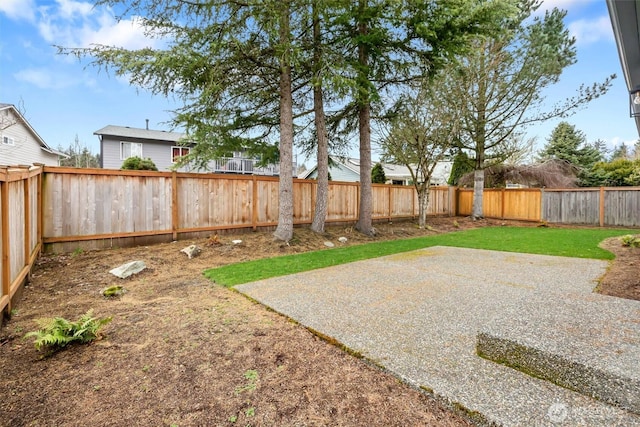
column 24, row 146
column 158, row 152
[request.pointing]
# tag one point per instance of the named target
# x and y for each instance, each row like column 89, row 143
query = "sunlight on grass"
column 570, row 242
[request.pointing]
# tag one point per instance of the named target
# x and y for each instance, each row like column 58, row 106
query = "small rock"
column 329, row 244
column 236, row 242
column 342, row 239
column 191, row 251
column 128, row 269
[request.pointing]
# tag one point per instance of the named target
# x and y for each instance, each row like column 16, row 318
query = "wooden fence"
column 66, row 208
column 604, row 206
column 21, row 230
column 100, row 207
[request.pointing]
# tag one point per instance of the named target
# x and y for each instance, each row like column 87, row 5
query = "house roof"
column 43, row 145
column 391, row 171
column 129, row 132
column 625, row 20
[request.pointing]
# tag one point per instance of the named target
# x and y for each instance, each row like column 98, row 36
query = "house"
column 625, row 21
column 118, row 143
column 348, row 169
column 20, row 144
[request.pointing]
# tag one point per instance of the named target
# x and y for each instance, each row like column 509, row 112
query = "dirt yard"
column 182, row 351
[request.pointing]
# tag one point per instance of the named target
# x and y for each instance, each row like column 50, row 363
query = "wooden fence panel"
column 404, row 202
column 439, row 201
column 86, row 204
column 210, row 202
column 572, row 206
column 303, row 201
column 342, row 203
column 381, row 198
column 522, row 204
column 465, row 201
column 492, row 203
column 34, row 222
column 17, row 220
column 266, row 211
column 622, row 207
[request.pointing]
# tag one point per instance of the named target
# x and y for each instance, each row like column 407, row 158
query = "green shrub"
column 630, row 241
column 56, row 333
column 139, row 164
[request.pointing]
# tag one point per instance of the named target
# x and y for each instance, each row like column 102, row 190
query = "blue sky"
column 63, row 98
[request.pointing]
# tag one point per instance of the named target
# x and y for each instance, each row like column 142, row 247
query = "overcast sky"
column 62, row 98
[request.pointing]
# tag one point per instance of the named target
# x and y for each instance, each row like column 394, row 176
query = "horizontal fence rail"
column 20, row 213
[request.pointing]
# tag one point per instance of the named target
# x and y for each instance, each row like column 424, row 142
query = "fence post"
column 453, row 201
column 40, row 205
column 542, row 204
column 26, row 184
column 174, row 203
column 502, row 193
column 390, row 203
column 601, row 207
column 6, row 272
column 254, row 202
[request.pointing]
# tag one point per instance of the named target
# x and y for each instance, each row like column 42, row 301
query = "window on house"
column 178, row 152
column 7, row 140
column 130, row 149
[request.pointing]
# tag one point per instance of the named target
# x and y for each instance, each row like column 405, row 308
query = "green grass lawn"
column 577, row 242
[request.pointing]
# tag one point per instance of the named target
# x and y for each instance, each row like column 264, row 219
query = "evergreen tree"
column 462, row 165
column 568, row 143
column 377, row 174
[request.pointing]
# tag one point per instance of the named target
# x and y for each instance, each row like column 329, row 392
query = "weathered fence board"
column 622, row 207
column 572, row 206
column 20, row 215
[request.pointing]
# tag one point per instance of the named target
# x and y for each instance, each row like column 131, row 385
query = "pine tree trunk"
column 322, row 189
column 284, row 230
column 364, row 224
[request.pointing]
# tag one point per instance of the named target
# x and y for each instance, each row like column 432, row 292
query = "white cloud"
column 77, row 24
column 19, row 9
column 587, row 31
column 41, row 78
column 44, row 78
column 69, row 9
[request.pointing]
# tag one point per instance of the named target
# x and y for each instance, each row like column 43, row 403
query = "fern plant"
column 56, row 333
column 630, row 241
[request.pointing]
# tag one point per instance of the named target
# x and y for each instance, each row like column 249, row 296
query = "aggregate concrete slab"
column 590, row 345
column 417, row 314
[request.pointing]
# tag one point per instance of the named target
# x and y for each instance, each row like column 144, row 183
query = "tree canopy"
column 499, row 86
column 570, row 144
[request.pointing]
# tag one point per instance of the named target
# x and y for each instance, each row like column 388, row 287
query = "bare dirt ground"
column 182, row 351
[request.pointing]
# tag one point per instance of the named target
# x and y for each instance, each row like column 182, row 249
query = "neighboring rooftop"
column 129, row 132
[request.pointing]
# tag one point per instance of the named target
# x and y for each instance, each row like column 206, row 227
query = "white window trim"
column 122, row 156
column 9, row 140
column 180, row 147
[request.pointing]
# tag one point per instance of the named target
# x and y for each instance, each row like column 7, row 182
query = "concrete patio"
column 422, row 314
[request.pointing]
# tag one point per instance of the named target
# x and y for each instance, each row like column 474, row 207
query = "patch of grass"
column 570, row 242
